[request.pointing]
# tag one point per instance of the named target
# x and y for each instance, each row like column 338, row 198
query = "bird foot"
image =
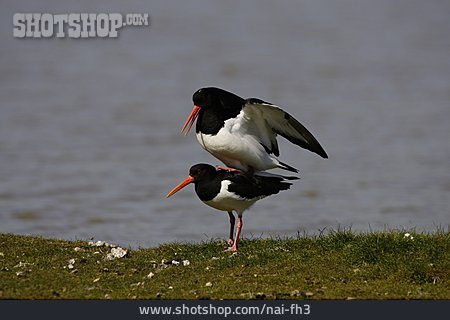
column 231, row 249
column 230, row 242
column 219, row 168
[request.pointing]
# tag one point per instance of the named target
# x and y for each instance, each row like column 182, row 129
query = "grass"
column 340, row 265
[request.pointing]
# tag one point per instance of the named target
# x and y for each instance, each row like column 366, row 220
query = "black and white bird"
column 242, row 132
column 232, row 191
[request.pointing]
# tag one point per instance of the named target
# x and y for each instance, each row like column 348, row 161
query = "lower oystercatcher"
column 242, row 132
column 232, row 191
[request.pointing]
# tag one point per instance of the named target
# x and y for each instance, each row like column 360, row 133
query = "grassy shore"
column 340, row 265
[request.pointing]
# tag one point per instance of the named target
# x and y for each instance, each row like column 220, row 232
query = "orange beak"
column 183, row 184
column 191, row 119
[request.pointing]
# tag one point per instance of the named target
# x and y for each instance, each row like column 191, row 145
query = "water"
column 89, row 142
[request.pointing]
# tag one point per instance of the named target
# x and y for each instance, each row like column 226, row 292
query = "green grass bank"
column 339, row 265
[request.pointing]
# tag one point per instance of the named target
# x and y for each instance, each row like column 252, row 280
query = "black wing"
column 282, row 123
column 251, row 187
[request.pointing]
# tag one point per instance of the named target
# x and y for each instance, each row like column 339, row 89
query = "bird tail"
column 270, row 183
column 285, row 166
column 273, row 185
column 272, row 175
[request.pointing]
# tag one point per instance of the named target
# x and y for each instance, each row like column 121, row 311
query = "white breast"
column 237, row 146
column 229, row 201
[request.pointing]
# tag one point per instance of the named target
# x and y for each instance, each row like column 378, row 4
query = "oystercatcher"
column 232, row 191
column 242, row 132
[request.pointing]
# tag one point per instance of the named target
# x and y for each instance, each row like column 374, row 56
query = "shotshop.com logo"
column 74, row 25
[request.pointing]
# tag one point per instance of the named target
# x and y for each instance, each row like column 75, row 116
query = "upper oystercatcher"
column 242, row 132
column 232, row 191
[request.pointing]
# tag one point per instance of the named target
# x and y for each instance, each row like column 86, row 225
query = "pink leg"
column 219, row 168
column 232, row 220
column 238, row 233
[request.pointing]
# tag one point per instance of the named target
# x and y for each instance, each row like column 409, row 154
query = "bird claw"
column 231, row 249
column 219, row 168
column 230, row 242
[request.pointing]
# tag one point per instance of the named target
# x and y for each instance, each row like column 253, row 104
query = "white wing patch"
column 238, row 144
column 260, row 127
column 272, row 120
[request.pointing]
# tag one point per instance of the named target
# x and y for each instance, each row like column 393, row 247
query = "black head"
column 217, row 98
column 197, row 173
column 215, row 103
column 202, row 171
